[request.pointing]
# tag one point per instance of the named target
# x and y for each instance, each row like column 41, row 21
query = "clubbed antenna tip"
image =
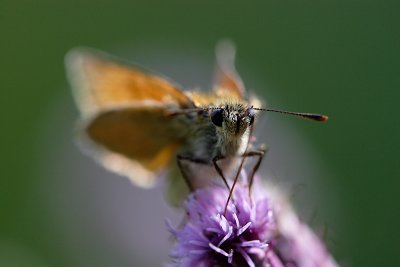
column 311, row 116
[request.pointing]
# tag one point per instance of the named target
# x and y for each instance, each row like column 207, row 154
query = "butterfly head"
column 232, row 120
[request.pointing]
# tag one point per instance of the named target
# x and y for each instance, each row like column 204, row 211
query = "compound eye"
column 251, row 119
column 217, row 117
column 251, row 116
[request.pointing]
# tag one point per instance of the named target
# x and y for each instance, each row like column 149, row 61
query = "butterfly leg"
column 260, row 153
column 255, row 153
column 218, row 169
column 180, row 159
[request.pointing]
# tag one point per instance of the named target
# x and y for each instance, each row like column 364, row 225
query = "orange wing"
column 227, row 80
column 123, row 115
column 100, row 82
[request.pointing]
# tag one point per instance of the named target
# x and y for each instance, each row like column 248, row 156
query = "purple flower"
column 255, row 231
column 241, row 237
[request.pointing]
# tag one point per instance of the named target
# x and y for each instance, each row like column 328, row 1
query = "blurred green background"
column 337, row 57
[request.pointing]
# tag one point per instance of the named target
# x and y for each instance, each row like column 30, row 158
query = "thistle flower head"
column 240, row 237
column 255, row 231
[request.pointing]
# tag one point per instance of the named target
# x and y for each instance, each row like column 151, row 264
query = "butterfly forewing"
column 124, row 122
column 226, row 79
column 101, row 82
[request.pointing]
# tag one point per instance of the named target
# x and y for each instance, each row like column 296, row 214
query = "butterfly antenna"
column 310, row 116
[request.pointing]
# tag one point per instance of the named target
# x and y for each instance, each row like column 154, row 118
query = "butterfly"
column 135, row 122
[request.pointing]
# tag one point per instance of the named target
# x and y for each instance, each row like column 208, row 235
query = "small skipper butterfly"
column 134, row 122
